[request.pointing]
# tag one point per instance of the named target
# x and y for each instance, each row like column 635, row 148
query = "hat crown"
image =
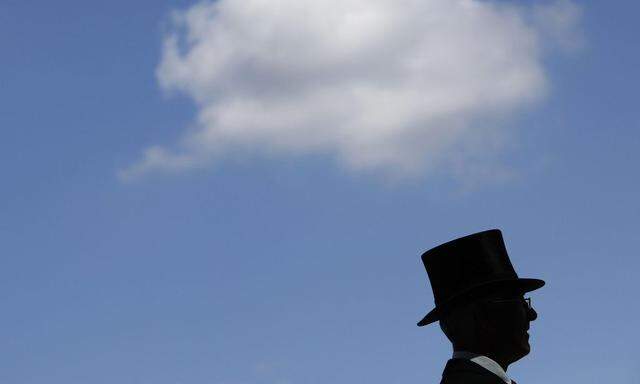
column 461, row 264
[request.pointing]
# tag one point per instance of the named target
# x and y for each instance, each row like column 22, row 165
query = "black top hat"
column 468, row 268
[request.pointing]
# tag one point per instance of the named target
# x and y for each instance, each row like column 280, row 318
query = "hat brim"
column 479, row 291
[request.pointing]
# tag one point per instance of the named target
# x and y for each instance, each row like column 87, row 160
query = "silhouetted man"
column 480, row 306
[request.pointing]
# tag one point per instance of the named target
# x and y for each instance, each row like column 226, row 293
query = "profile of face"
column 505, row 326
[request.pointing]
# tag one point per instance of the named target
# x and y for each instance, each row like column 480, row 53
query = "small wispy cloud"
column 397, row 86
column 558, row 23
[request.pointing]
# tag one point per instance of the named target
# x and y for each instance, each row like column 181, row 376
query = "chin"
column 519, row 349
column 523, row 350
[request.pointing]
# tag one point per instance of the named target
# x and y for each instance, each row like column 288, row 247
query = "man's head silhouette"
column 480, row 305
column 496, row 326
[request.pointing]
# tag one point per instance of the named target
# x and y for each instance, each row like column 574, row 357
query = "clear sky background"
column 269, row 260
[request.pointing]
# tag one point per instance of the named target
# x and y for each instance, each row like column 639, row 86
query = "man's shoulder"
column 463, row 371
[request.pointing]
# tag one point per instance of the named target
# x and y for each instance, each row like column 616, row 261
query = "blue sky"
column 293, row 266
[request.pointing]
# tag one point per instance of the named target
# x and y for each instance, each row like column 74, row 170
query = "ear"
column 485, row 320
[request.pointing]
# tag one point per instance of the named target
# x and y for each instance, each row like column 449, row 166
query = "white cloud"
column 399, row 86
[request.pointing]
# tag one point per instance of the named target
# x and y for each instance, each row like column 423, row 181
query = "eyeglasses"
column 526, row 301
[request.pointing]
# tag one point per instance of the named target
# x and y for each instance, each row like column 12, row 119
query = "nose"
column 531, row 314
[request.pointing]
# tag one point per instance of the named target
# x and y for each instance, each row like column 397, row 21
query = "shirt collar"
column 484, row 362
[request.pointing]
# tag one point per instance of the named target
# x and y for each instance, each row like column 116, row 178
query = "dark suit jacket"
column 463, row 371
